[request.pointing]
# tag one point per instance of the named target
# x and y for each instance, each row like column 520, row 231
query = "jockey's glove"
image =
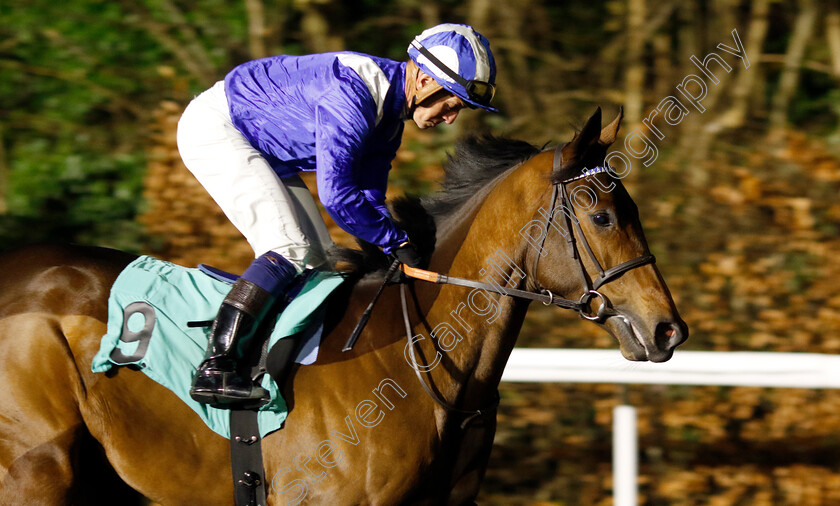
column 408, row 255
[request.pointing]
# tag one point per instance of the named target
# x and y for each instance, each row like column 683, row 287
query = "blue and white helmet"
column 459, row 59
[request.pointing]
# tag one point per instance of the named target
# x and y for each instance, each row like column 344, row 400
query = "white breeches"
column 273, row 214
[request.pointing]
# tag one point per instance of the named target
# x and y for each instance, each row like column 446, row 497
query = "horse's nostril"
column 668, row 335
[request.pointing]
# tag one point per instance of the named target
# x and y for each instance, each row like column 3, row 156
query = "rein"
column 547, row 298
column 581, row 305
column 471, row 414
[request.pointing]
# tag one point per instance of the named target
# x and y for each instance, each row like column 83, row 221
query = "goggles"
column 480, row 92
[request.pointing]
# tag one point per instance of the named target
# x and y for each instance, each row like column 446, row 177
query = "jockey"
column 339, row 114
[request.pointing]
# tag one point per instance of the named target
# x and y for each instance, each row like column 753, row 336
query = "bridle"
column 582, row 305
column 559, row 198
column 590, row 287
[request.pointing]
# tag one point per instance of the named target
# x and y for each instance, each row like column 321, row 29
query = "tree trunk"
column 4, row 173
column 802, row 31
column 479, row 14
column 690, row 21
column 256, row 28
column 611, row 55
column 635, row 74
column 276, row 14
column 832, row 33
column 516, row 74
column 430, row 13
column 747, row 78
column 316, row 27
column 663, row 69
column 714, row 121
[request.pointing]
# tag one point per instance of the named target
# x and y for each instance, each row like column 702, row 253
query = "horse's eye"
column 602, row 219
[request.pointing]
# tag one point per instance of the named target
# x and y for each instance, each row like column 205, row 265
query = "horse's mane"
column 476, row 162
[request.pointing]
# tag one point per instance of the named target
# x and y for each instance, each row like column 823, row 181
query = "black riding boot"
column 217, row 382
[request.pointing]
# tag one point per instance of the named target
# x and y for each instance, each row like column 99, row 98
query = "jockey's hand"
column 408, row 255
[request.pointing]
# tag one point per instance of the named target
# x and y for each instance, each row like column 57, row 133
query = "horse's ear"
column 577, row 148
column 610, row 132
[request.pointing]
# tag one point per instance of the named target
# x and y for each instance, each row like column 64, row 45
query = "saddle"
column 150, row 308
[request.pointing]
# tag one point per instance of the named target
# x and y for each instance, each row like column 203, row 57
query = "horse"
column 399, row 419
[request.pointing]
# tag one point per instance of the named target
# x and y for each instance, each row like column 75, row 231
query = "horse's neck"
column 475, row 330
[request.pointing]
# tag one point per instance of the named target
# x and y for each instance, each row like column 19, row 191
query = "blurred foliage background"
column 740, row 206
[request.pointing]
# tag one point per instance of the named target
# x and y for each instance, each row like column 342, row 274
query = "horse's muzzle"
column 657, row 346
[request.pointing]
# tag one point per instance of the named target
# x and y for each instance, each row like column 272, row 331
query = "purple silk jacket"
column 339, row 114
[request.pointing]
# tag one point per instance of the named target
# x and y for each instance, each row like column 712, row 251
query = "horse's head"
column 594, row 242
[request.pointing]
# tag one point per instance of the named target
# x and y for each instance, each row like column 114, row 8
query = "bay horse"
column 362, row 429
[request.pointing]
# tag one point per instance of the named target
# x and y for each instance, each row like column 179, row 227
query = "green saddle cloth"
column 148, row 310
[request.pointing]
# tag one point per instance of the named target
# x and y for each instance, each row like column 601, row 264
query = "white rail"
column 736, row 368
column 724, row 368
